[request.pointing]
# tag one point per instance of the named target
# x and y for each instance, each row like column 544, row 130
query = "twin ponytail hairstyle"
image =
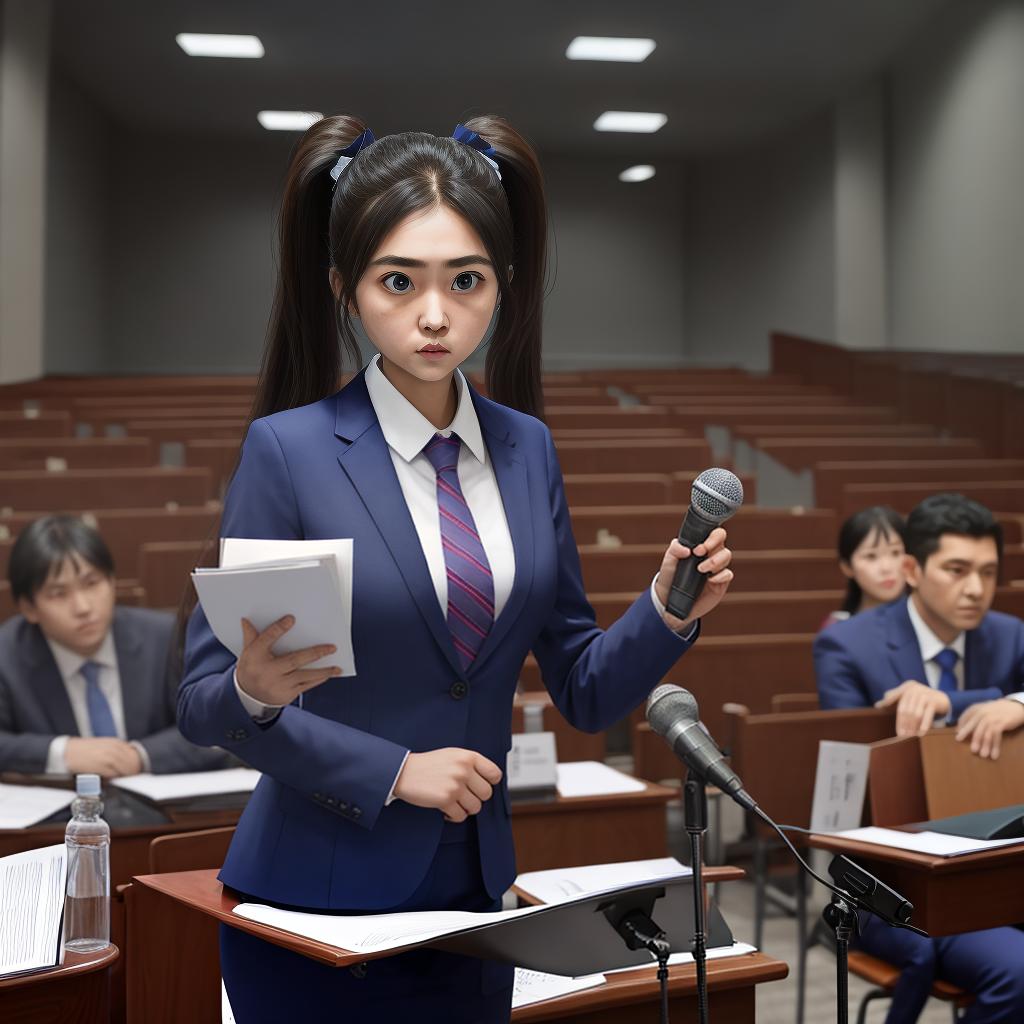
column 310, row 338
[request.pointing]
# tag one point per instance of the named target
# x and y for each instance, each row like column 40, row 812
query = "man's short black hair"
column 44, row 545
column 948, row 513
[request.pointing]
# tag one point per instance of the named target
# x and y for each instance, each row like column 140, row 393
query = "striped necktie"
column 946, row 659
column 101, row 718
column 470, row 583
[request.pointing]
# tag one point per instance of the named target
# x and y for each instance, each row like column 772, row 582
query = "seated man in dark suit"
column 85, row 686
column 939, row 656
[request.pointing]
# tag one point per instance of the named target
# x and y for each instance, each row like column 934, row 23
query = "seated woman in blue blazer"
column 382, row 791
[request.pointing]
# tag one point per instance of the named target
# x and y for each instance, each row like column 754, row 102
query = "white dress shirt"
column 407, row 431
column 69, row 664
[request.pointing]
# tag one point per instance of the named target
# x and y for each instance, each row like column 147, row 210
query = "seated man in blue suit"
column 939, row 656
column 85, row 686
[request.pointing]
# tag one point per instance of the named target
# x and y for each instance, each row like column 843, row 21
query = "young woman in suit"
column 383, row 791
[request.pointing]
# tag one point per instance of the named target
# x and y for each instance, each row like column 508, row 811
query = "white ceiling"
column 724, row 71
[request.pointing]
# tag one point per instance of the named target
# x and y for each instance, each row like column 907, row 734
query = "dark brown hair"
column 324, row 225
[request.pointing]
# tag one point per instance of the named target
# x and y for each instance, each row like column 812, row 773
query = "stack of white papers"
column 556, row 885
column 32, row 886
column 21, row 806
column 934, row 843
column 184, row 785
column 263, row 580
column 592, row 778
column 536, row 986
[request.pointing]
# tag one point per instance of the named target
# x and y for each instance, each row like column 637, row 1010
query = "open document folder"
column 32, row 887
column 263, row 580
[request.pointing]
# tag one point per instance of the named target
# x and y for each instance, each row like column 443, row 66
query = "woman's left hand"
column 716, row 559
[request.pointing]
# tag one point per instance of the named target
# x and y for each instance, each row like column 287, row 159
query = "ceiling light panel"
column 638, row 172
column 629, row 121
column 199, row 45
column 288, row 120
column 609, row 48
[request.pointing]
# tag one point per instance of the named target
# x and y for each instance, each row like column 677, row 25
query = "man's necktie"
column 470, row 583
column 101, row 719
column 946, row 659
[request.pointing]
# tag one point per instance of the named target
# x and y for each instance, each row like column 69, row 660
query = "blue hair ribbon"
column 348, row 154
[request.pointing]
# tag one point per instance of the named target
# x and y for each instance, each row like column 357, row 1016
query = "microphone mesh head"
column 667, row 704
column 717, row 494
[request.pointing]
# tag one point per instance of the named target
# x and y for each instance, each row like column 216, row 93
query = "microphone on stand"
column 674, row 715
column 715, row 497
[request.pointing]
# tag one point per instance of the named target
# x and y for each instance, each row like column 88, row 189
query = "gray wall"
column 760, row 244
column 161, row 254
column 77, row 323
column 957, row 189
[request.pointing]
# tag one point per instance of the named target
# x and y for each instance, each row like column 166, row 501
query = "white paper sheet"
column 557, row 885
column 182, row 785
column 934, row 843
column 32, row 887
column 21, row 806
column 239, row 551
column 839, row 785
column 374, row 933
column 592, row 778
column 535, row 986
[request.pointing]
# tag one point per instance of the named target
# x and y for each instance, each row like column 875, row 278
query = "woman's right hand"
column 452, row 780
column 273, row 679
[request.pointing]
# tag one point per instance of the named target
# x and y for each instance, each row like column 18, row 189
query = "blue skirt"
column 267, row 984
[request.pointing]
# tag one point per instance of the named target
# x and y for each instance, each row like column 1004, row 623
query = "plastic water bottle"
column 87, row 837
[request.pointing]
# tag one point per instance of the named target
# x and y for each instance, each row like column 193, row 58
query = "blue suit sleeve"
column 839, row 680
column 595, row 676
column 342, row 769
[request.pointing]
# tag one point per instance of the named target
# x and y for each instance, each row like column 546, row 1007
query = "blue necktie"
column 470, row 582
column 946, row 659
column 101, row 719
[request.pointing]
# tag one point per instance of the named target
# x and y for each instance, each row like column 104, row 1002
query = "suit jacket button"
column 241, row 734
column 357, row 812
column 331, row 802
column 459, row 689
column 318, row 796
column 342, row 806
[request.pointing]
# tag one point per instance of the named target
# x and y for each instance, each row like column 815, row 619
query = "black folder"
column 999, row 823
column 577, row 938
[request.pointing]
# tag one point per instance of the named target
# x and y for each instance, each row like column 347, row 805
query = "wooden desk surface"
column 76, row 992
column 950, row 894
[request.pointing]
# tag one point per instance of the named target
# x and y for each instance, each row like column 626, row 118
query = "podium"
column 75, row 992
column 173, row 972
column 919, row 778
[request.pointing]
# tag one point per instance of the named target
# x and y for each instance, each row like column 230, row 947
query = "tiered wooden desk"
column 76, row 992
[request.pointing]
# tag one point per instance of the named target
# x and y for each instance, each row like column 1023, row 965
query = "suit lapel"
column 130, row 669
column 977, row 659
column 44, row 679
column 904, row 650
column 366, row 460
column 514, row 485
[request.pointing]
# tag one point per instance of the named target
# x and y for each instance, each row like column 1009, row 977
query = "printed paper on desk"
column 839, row 785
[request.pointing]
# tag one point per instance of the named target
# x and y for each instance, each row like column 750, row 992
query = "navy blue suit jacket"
column 857, row 660
column 316, row 832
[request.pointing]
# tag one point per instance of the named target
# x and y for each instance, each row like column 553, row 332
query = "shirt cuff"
column 258, row 711
column 687, row 633
column 391, row 792
column 55, row 763
column 1019, row 697
column 143, row 755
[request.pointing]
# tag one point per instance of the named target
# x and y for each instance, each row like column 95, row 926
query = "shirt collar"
column 407, row 430
column 929, row 643
column 70, row 664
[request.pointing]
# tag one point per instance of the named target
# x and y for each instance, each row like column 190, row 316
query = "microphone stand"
column 695, row 815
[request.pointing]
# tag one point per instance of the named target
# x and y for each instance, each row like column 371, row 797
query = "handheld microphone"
column 673, row 714
column 716, row 495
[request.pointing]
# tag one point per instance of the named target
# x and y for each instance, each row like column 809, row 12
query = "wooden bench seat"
column 77, row 452
column 76, row 489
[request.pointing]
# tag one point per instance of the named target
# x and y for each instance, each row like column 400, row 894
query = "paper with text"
column 32, row 887
column 22, row 806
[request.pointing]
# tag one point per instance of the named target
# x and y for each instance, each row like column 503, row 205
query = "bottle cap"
column 87, row 785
